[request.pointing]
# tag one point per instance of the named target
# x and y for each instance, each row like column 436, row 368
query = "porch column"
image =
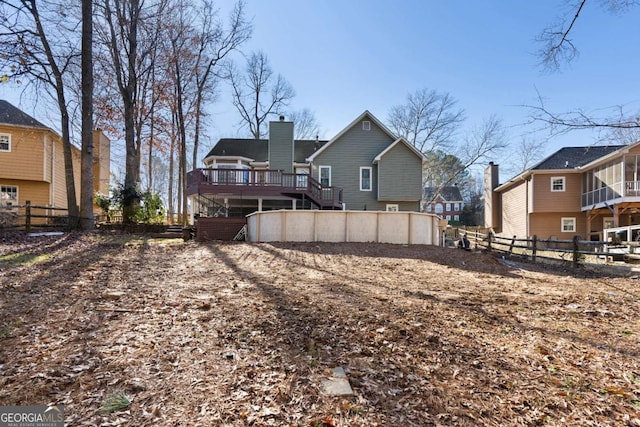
column 293, row 204
column 226, row 206
column 616, row 215
column 259, row 205
column 588, row 233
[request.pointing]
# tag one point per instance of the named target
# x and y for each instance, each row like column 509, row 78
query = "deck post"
column 534, row 247
column 575, row 251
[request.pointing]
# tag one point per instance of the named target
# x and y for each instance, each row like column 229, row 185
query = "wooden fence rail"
column 554, row 249
column 28, row 217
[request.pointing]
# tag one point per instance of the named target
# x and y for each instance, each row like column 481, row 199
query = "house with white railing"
column 577, row 191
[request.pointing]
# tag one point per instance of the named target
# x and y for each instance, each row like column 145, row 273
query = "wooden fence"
column 574, row 251
column 30, row 217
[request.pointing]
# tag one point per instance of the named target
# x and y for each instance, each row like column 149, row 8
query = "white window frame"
column 438, row 209
column 366, row 125
column 393, row 208
column 320, row 168
column 569, row 221
column 8, row 142
column 5, row 201
column 456, row 206
column 429, row 208
column 447, row 207
column 558, row 178
column 370, row 169
column 456, row 217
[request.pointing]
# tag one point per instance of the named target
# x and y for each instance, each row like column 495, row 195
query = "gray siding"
column 400, row 175
column 354, row 149
column 281, row 146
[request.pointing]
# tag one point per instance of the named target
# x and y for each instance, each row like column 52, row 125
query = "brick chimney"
column 492, row 200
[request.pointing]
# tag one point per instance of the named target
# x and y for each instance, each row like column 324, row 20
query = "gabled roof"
column 11, row 115
column 258, row 149
column 569, row 159
column 575, row 157
column 450, row 193
column 358, row 119
column 400, row 141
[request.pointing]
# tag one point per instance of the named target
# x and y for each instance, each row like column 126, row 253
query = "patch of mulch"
column 241, row 334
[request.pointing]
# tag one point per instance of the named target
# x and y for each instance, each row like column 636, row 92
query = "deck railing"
column 611, row 192
column 287, row 183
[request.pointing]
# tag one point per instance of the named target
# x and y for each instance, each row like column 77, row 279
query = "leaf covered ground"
column 240, row 334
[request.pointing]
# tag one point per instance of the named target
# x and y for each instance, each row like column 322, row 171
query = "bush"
column 149, row 208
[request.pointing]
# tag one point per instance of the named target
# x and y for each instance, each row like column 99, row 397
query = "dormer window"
column 366, row 125
column 5, row 142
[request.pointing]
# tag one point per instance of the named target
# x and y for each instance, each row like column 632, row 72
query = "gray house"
column 364, row 167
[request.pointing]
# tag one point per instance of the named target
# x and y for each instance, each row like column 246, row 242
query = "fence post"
column 489, row 239
column 534, row 249
column 513, row 242
column 476, row 241
column 575, row 251
column 27, row 220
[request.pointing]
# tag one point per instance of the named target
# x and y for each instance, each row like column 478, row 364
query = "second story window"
column 5, row 142
column 447, row 207
column 439, row 208
column 557, row 183
column 365, row 179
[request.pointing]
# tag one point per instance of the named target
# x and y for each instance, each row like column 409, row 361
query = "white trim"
column 8, row 135
column 393, row 207
column 564, row 184
column 370, row 169
column 320, row 167
column 573, row 222
column 377, row 158
column 366, row 125
column 358, row 119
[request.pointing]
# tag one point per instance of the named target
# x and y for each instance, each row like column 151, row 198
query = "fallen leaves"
column 245, row 334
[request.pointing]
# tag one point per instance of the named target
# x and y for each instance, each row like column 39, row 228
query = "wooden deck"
column 262, row 183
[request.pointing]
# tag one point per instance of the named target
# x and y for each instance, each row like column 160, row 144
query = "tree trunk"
column 86, row 182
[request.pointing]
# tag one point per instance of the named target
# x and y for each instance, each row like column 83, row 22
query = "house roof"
column 450, row 193
column 400, row 141
column 258, row 149
column 366, row 113
column 567, row 158
column 575, row 157
column 11, row 115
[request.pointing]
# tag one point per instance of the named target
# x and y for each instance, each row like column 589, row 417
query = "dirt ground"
column 222, row 334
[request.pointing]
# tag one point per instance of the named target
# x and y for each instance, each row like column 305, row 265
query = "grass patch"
column 24, row 259
column 114, row 402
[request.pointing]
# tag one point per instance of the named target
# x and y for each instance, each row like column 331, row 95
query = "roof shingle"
column 11, row 115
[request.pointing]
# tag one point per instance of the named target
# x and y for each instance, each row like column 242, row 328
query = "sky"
column 346, row 56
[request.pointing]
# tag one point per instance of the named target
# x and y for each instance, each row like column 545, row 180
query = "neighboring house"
column 364, row 167
column 445, row 202
column 577, row 191
column 32, row 162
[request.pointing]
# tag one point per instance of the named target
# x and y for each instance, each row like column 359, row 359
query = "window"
column 607, row 223
column 429, row 208
column 456, row 206
column 448, row 217
column 8, row 195
column 325, row 176
column 438, row 208
column 366, row 125
column 393, row 208
column 456, row 217
column 568, row 225
column 5, row 142
column 557, row 183
column 365, row 179
column 447, row 207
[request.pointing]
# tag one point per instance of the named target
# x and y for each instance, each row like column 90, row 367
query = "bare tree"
column 86, row 174
column 258, row 93
column 304, row 124
column 557, row 48
column 41, row 48
column 429, row 120
column 215, row 42
column 478, row 145
column 525, row 153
